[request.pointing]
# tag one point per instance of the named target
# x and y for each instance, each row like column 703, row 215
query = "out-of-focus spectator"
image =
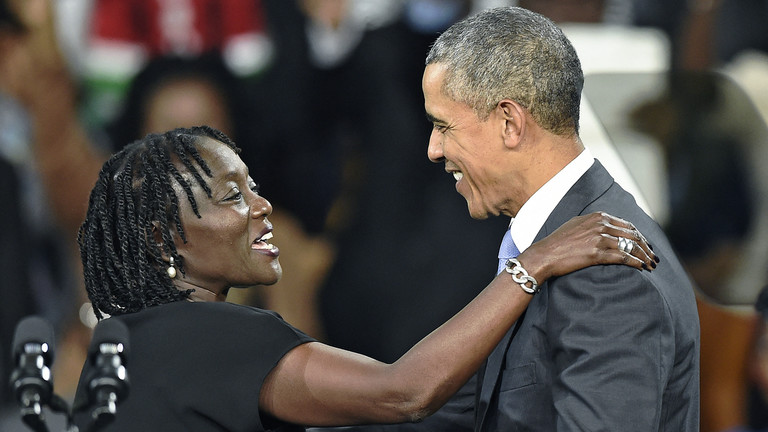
column 756, row 419
column 706, row 33
column 125, row 35
column 46, row 160
column 174, row 90
column 618, row 12
column 703, row 160
column 757, row 410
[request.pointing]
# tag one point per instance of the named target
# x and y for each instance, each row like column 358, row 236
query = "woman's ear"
column 514, row 116
column 157, row 237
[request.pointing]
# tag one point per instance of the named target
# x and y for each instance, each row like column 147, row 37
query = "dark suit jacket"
column 606, row 348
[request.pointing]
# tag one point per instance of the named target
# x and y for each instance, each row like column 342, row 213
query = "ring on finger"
column 626, row 245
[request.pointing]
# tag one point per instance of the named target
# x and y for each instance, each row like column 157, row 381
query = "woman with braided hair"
column 135, row 191
column 175, row 221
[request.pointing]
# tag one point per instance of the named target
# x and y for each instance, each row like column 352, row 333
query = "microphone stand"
column 33, row 396
column 32, row 384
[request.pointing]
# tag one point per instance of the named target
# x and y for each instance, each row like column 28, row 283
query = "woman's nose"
column 260, row 207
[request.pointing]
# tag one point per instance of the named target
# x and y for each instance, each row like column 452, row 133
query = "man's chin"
column 475, row 213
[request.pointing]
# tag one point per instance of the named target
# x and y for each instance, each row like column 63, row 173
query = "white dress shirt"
column 540, row 205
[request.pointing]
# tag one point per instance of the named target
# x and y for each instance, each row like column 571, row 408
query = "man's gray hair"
column 512, row 53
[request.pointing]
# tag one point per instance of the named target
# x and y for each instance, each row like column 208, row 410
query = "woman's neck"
column 200, row 294
column 203, row 295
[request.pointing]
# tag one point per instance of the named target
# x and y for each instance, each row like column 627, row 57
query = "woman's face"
column 229, row 245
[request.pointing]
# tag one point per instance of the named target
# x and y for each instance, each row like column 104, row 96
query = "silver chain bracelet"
column 521, row 276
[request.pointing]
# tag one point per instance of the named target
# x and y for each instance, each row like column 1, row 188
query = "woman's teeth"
column 262, row 242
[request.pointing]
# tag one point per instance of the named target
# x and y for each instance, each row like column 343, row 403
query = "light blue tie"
column 507, row 250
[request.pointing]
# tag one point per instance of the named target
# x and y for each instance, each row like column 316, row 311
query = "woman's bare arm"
column 317, row 384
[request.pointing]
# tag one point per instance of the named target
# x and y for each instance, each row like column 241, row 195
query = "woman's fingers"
column 612, row 253
column 626, row 242
column 595, row 238
column 630, row 232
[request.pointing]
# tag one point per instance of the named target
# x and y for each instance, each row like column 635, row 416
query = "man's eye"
column 440, row 128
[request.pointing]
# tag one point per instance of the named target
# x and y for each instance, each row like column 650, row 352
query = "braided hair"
column 132, row 204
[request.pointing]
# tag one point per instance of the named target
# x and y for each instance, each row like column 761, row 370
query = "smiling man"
column 606, row 349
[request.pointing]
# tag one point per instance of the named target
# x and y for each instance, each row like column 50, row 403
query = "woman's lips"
column 262, row 245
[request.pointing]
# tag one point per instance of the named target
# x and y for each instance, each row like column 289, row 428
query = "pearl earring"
column 171, row 269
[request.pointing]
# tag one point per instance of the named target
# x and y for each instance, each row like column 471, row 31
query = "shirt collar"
column 532, row 215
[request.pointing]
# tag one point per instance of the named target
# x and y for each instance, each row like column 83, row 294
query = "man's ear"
column 514, row 116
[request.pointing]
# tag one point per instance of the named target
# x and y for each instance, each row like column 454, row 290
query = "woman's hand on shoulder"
column 583, row 241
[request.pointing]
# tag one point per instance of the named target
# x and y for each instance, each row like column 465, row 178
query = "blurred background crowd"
column 324, row 97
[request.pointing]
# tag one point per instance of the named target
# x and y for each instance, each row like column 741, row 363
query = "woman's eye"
column 234, row 196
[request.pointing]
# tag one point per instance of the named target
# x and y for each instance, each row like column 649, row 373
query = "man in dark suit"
column 601, row 349
column 605, row 348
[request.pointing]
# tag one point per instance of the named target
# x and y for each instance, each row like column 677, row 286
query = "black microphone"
column 31, row 380
column 108, row 384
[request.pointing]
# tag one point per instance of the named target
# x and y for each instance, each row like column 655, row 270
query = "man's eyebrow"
column 432, row 119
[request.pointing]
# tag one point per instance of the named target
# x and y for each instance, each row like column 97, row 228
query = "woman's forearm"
column 316, row 384
column 435, row 368
column 321, row 385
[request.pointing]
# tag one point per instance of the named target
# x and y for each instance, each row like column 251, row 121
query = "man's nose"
column 435, row 147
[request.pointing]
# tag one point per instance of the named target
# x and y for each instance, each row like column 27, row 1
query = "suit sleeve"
column 608, row 327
